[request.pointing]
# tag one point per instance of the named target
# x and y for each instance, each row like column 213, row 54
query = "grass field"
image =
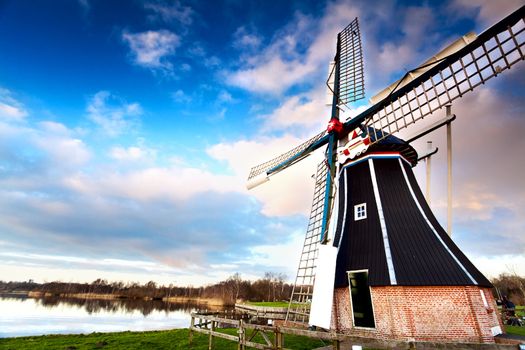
column 520, row 310
column 515, row 330
column 171, row 340
column 273, row 304
column 268, row 303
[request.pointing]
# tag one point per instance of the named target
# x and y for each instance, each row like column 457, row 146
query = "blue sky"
column 127, row 129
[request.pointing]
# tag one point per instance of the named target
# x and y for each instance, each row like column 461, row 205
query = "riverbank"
column 207, row 301
column 99, row 296
column 172, row 339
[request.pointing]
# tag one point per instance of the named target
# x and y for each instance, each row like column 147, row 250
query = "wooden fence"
column 272, row 336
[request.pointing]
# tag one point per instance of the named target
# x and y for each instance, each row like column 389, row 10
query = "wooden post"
column 279, row 343
column 191, row 328
column 240, row 346
column 210, row 339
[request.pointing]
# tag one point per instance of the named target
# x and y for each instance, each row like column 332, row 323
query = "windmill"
column 371, row 236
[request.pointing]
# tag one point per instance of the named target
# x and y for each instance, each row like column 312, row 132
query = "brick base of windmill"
column 409, row 314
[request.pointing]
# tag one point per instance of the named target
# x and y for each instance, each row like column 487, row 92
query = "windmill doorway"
column 360, row 299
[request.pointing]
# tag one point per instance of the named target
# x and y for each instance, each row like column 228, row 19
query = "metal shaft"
column 449, row 172
column 428, row 160
column 332, row 143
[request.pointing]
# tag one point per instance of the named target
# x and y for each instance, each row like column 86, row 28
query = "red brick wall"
column 454, row 314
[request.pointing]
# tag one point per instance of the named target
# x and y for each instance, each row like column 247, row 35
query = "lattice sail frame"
column 351, row 71
column 301, row 298
column 494, row 51
column 292, row 156
column 491, row 57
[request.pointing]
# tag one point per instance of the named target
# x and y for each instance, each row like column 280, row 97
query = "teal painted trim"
column 321, row 142
column 328, row 188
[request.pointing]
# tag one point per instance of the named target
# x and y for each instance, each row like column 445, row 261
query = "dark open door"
column 363, row 312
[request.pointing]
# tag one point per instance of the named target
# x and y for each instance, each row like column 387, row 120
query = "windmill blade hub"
column 334, row 125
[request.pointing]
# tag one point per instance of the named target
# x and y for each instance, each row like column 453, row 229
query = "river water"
column 27, row 316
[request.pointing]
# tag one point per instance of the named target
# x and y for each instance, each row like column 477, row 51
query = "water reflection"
column 21, row 316
column 124, row 305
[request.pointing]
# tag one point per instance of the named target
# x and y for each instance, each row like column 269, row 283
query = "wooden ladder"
column 301, row 298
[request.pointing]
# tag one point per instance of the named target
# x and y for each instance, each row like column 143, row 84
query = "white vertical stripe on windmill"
column 386, row 243
column 485, row 303
column 343, row 225
column 323, row 293
column 332, row 227
column 432, row 227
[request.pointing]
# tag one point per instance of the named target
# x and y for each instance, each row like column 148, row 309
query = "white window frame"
column 357, row 208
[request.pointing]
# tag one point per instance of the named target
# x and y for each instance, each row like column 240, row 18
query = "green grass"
column 172, row 339
column 520, row 310
column 272, row 303
column 515, row 330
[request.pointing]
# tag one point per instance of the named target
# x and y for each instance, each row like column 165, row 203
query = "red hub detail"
column 334, row 125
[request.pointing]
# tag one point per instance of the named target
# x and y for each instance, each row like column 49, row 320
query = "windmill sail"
column 349, row 84
column 284, row 160
column 491, row 53
column 299, row 307
column 351, row 77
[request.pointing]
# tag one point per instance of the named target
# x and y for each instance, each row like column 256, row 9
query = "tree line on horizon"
column 271, row 287
column 510, row 285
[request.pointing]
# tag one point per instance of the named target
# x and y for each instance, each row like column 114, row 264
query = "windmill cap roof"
column 390, row 143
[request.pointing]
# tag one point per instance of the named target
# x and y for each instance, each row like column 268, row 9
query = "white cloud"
column 275, row 197
column 272, row 76
column 220, row 115
column 493, row 266
column 415, row 43
column 487, row 12
column 225, row 97
column 212, row 61
column 283, row 64
column 10, row 108
column 175, row 12
column 26, row 148
column 63, row 150
column 151, row 49
column 111, row 114
column 299, row 113
column 131, row 153
column 11, row 112
column 149, row 183
column 181, row 97
column 137, row 153
column 243, row 40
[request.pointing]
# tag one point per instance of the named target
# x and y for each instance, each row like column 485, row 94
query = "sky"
column 127, row 130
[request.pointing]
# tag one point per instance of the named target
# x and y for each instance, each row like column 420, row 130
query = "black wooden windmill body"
column 368, row 213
